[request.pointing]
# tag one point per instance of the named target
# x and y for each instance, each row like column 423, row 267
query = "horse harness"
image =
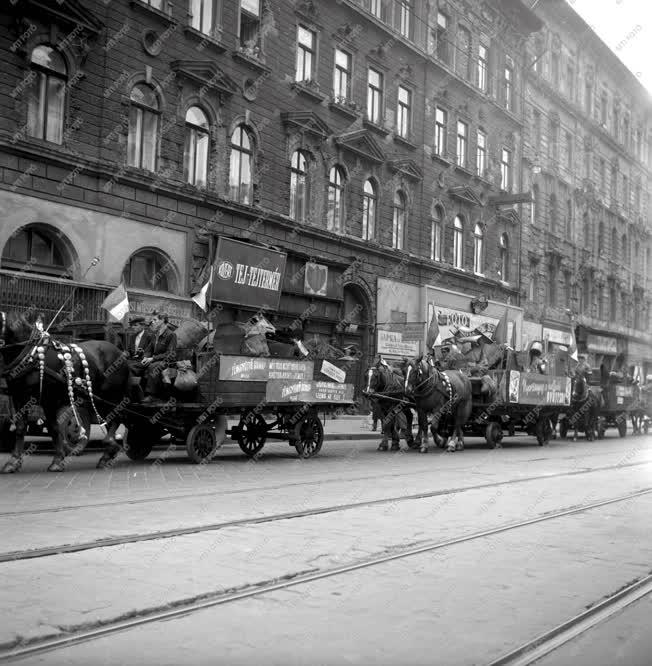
column 445, row 380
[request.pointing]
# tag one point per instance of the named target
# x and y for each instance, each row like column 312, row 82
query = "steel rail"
column 64, row 549
column 539, row 647
column 220, row 598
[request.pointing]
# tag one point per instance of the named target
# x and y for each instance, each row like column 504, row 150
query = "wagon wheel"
column 252, row 433
column 543, row 430
column 493, row 434
column 563, row 427
column 139, row 439
column 204, row 439
column 622, row 424
column 74, row 441
column 309, row 436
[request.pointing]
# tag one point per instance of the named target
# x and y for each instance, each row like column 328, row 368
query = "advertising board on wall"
column 391, row 343
column 601, row 344
column 247, row 274
column 449, row 320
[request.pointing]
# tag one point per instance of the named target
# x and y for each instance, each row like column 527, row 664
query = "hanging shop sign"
column 248, row 275
column 601, row 344
column 391, row 343
column 315, row 279
column 557, row 337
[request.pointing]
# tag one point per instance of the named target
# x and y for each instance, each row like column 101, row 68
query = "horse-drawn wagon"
column 620, row 400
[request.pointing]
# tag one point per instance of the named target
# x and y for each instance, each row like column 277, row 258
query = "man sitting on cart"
column 139, row 342
column 583, row 368
column 163, row 355
column 537, row 363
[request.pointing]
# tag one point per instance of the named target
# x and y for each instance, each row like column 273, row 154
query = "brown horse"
column 584, row 408
column 446, row 395
column 34, row 367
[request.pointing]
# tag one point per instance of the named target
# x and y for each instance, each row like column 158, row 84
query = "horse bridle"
column 435, row 385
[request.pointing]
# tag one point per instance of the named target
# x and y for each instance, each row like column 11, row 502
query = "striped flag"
column 202, row 298
column 572, row 348
column 117, row 303
column 502, row 329
column 433, row 337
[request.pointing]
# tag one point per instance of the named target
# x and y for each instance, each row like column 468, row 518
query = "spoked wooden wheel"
column 252, row 434
column 75, row 433
column 203, row 440
column 140, row 438
column 543, row 430
column 309, row 436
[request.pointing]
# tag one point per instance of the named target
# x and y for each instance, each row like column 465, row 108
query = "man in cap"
column 537, row 364
column 139, row 341
column 163, row 354
column 583, row 368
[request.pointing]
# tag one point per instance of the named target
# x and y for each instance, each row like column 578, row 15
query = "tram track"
column 316, row 482
column 182, row 607
column 63, row 549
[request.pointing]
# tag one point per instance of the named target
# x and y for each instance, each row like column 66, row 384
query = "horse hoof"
column 395, row 447
column 423, row 449
column 382, row 447
column 57, row 467
column 105, row 462
column 450, row 449
column 459, row 447
column 12, row 466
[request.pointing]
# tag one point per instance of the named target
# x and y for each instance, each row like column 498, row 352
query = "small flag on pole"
column 202, row 298
column 433, row 337
column 117, row 303
column 502, row 329
column 572, row 348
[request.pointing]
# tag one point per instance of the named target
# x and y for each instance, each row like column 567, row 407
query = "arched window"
column 553, row 277
column 614, row 245
column 587, row 232
column 458, row 242
column 38, row 248
column 241, row 168
column 601, row 237
column 569, row 217
column 144, row 113
column 398, row 220
column 299, row 195
column 335, row 211
column 436, row 233
column 534, row 219
column 625, row 249
column 504, row 257
column 478, row 250
column 369, row 208
column 150, row 269
column 46, row 99
column 195, row 155
column 637, row 249
column 553, row 213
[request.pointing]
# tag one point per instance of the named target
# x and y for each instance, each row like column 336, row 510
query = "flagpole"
column 95, row 261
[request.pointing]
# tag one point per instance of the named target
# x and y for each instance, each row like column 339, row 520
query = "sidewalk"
column 349, row 427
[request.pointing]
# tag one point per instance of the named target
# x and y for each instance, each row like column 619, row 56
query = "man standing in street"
column 164, row 354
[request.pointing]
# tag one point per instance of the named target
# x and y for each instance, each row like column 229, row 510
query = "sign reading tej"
column 248, row 275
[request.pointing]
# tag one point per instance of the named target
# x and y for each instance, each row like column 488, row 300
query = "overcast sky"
column 626, row 27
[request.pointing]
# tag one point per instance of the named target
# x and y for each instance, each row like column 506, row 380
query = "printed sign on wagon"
column 247, row 274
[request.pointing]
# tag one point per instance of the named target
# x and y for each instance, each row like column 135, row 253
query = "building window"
column 614, row 245
column 568, row 289
column 613, row 185
column 570, row 81
column 369, row 208
column 508, row 84
column 553, row 213
column 342, row 76
column 603, row 109
column 483, row 65
column 601, row 237
column 195, row 154
column 554, row 140
column 458, row 242
column 539, row 50
column 536, row 122
column 403, row 18
column 202, row 15
column 436, row 227
column 481, row 154
column 404, row 112
column 441, row 118
column 534, row 210
column 600, row 302
column 612, row 303
column 552, row 286
column 149, row 269
column 376, row 8
column 462, row 143
column 398, row 220
column 335, row 211
column 306, row 40
column 569, row 151
column 299, row 195
column 616, row 122
column 505, row 170
column 569, row 217
column 37, row 248
column 603, row 176
column 625, row 191
column 504, row 257
column 144, row 112
column 626, row 131
column 478, row 250
column 533, row 287
column 554, row 69
column 46, row 95
column 250, row 27
column 442, row 37
column 375, row 96
column 241, row 167
column 587, row 232
column 588, row 171
column 625, row 249
column 463, row 58
column 588, row 98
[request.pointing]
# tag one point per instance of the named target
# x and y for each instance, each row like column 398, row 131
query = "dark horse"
column 446, row 395
column 33, row 366
column 396, row 415
column 584, row 408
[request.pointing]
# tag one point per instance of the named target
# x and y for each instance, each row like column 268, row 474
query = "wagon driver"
column 537, row 363
column 139, row 345
column 164, row 354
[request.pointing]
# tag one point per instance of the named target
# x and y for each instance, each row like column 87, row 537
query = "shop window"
column 39, row 248
column 144, row 114
column 46, row 95
column 152, row 270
